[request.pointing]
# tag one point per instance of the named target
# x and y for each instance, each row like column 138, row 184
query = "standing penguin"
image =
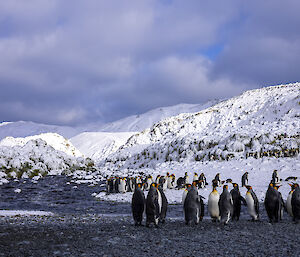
column 213, row 204
column 296, row 203
column 122, row 185
column 289, row 200
column 110, row 188
column 138, row 205
column 196, row 177
column 252, row 204
column 163, row 182
column 236, row 198
column 153, row 205
column 245, row 179
column 275, row 177
column 164, row 205
column 117, row 182
column 273, row 203
column 171, row 181
column 186, row 178
column 193, row 206
column 185, row 192
column 203, row 178
column 217, row 179
column 225, row 205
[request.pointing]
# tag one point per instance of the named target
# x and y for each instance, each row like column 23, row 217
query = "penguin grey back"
column 164, row 207
column 225, row 205
column 273, row 204
column 295, row 201
column 138, row 205
column 193, row 205
column 152, row 206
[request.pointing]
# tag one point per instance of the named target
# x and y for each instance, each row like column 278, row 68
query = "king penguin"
column 296, row 203
column 273, row 203
column 164, row 205
column 138, row 205
column 153, row 205
column 213, row 204
column 225, row 205
column 252, row 204
column 185, row 192
column 289, row 200
column 193, row 206
column 236, row 198
column 245, row 179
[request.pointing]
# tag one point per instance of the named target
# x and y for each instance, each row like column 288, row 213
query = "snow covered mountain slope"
column 56, row 141
column 262, row 122
column 146, row 120
column 28, row 128
column 35, row 159
column 98, row 145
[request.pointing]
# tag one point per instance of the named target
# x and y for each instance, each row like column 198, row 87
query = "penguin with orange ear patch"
column 296, row 203
column 213, row 203
column 252, row 204
column 153, row 205
column 225, row 205
column 273, row 203
column 289, row 200
column 237, row 199
column 138, row 204
column 193, row 206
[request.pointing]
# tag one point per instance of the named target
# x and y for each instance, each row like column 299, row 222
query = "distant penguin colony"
column 222, row 207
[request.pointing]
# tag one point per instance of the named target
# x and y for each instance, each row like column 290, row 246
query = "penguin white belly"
column 165, row 185
column 184, row 195
column 122, row 186
column 195, row 178
column 169, row 182
column 250, row 205
column 213, row 205
column 289, row 204
column 159, row 200
column 186, row 179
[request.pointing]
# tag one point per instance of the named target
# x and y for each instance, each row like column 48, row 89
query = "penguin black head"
column 229, row 180
column 235, row 185
column 249, row 187
column 225, row 187
column 187, row 185
column 140, row 185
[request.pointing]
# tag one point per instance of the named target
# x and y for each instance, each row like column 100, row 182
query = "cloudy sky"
column 72, row 62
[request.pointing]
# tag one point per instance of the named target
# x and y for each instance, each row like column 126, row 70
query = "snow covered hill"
column 98, row 145
column 262, row 122
column 35, row 158
column 137, row 123
column 28, row 128
column 56, row 141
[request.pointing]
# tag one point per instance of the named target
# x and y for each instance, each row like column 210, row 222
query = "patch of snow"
column 7, row 213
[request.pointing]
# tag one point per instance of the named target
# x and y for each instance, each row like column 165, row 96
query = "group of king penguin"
column 221, row 207
column 227, row 206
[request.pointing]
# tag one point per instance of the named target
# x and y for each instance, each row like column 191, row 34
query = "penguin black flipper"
column 296, row 204
column 255, row 202
column 201, row 204
column 242, row 199
column 138, row 206
column 164, row 206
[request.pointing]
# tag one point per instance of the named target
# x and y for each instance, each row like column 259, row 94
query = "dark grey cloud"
column 265, row 48
column 73, row 62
